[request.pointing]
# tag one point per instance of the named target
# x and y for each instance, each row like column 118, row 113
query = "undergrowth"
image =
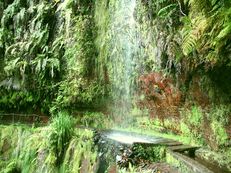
column 57, row 147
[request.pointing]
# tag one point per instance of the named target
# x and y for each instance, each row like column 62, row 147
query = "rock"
column 118, row 158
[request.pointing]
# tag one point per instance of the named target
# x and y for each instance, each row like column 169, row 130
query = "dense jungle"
column 73, row 73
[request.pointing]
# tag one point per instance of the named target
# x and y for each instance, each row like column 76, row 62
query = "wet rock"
column 125, row 158
column 118, row 158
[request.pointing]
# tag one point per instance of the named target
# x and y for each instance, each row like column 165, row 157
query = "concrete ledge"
column 181, row 148
column 184, row 163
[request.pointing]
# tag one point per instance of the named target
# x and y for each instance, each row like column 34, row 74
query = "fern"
column 10, row 11
column 225, row 31
column 1, row 38
column 200, row 5
column 188, row 38
column 167, row 11
column 214, row 2
column 12, row 65
column 189, row 43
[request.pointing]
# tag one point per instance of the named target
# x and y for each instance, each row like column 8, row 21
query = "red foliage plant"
column 161, row 97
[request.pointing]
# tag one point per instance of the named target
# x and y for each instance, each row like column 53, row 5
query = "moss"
column 185, row 129
column 191, row 124
column 218, row 117
column 219, row 131
column 196, row 116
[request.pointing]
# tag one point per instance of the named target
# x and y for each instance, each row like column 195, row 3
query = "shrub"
column 151, row 153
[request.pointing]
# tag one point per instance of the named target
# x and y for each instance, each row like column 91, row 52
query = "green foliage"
column 195, row 121
column 192, row 124
column 22, row 98
column 161, row 50
column 79, row 155
column 29, row 64
column 11, row 168
column 220, row 113
column 79, row 85
column 189, row 39
column 196, row 116
column 185, row 129
column 220, row 133
column 23, row 52
column 167, row 10
column 62, row 129
column 211, row 28
column 219, row 118
column 94, row 119
column 30, row 151
column 152, row 153
column 45, row 52
column 1, row 38
column 149, row 124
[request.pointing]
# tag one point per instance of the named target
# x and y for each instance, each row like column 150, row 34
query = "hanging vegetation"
column 48, row 55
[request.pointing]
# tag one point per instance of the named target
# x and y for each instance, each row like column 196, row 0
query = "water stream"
column 131, row 138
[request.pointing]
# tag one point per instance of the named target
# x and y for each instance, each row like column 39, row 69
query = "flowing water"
column 124, row 53
column 131, row 138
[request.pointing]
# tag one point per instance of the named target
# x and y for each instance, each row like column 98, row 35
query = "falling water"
column 124, row 52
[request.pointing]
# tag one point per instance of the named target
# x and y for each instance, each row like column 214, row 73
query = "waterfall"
column 124, row 47
column 123, row 51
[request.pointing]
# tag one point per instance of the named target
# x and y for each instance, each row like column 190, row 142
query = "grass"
column 79, row 154
column 57, row 147
column 62, row 130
